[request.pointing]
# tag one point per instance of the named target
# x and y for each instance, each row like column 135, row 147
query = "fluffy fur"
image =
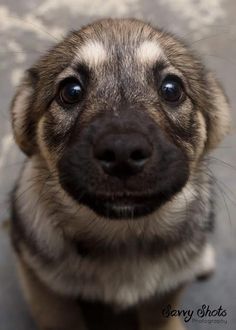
column 71, row 248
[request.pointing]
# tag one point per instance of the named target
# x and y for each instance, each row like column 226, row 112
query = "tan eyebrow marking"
column 92, row 53
column 149, row 52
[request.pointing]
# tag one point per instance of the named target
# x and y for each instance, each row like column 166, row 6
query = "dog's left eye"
column 70, row 92
column 171, row 90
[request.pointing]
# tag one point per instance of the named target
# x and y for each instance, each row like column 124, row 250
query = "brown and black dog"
column 113, row 208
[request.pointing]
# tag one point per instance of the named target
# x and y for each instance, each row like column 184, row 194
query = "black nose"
column 122, row 155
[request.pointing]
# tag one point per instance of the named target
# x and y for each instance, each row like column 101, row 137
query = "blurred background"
column 28, row 28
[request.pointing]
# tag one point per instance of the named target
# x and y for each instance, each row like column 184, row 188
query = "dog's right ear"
column 23, row 113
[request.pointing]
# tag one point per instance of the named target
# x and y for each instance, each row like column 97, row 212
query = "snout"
column 122, row 166
column 122, row 155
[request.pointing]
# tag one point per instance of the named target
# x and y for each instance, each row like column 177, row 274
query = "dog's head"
column 122, row 113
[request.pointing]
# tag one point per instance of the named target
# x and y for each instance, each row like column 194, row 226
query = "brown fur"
column 54, row 312
column 62, row 244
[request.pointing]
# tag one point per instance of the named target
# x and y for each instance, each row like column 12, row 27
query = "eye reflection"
column 71, row 92
column 171, row 90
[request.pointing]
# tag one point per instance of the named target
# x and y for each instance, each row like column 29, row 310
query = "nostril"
column 139, row 156
column 107, row 156
column 122, row 155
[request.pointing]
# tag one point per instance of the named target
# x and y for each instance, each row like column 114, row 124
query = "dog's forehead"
column 94, row 53
column 118, row 49
column 103, row 43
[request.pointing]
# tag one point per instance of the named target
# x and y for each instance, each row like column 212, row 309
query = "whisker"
column 208, row 37
column 219, row 57
column 222, row 192
column 34, row 25
column 212, row 158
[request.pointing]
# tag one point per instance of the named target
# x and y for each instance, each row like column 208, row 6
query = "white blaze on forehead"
column 92, row 53
column 149, row 52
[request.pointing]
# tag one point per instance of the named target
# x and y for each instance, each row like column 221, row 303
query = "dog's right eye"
column 70, row 92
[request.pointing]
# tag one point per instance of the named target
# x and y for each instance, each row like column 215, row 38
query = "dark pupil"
column 171, row 91
column 71, row 92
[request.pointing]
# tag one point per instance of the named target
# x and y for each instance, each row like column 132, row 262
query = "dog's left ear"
column 218, row 113
column 23, row 113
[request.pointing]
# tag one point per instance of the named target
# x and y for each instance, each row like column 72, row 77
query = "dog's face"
column 122, row 113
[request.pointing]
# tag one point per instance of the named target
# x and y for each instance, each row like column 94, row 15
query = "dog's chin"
column 120, row 208
column 125, row 207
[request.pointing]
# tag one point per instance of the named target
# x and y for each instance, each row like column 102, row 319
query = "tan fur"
column 93, row 53
column 55, row 312
column 157, row 275
column 220, row 118
column 53, row 271
column 148, row 52
column 19, row 115
column 50, row 310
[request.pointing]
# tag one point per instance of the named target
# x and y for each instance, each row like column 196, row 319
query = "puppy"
column 113, row 208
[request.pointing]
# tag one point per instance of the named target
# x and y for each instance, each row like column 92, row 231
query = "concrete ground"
column 27, row 28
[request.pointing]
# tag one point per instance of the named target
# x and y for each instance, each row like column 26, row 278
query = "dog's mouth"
column 123, row 174
column 113, row 198
column 123, row 207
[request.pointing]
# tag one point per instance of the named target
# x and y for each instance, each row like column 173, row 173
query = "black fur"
column 164, row 176
column 100, row 316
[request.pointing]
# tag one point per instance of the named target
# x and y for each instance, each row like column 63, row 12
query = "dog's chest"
column 121, row 280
